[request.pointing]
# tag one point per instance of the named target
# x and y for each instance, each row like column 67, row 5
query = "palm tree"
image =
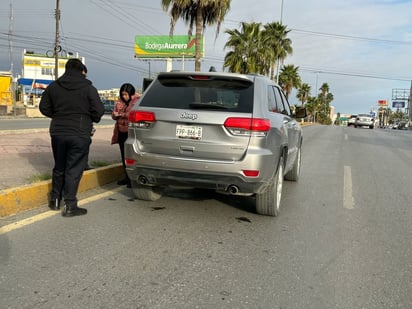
column 312, row 107
column 276, row 39
column 289, row 78
column 247, row 54
column 199, row 13
column 324, row 89
column 325, row 98
column 303, row 93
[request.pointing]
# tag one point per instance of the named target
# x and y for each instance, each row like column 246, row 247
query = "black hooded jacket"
column 73, row 104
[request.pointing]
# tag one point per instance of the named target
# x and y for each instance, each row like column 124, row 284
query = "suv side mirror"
column 300, row 112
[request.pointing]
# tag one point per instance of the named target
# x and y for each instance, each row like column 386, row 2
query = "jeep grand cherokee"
column 231, row 133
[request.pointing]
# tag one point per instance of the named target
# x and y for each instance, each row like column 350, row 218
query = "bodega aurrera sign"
column 164, row 46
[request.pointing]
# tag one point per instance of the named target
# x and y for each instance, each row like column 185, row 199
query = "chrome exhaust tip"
column 142, row 180
column 232, row 189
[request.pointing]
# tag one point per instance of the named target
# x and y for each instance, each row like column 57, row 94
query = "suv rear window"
column 211, row 93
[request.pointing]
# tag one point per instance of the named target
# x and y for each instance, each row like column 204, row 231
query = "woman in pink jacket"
column 127, row 99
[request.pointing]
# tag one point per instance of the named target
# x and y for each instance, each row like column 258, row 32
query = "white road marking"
column 346, row 137
column 16, row 225
column 347, row 188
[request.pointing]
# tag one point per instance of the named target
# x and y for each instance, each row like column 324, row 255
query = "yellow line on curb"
column 14, row 226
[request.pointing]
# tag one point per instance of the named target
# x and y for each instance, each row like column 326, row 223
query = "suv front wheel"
column 293, row 174
column 268, row 202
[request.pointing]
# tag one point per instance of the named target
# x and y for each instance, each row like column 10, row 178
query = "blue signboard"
column 398, row 104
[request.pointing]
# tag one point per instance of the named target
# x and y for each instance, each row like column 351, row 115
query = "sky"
column 361, row 48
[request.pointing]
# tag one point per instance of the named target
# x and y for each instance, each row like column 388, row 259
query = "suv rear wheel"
column 146, row 193
column 268, row 202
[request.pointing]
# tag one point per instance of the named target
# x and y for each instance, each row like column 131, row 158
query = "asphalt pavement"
column 26, row 158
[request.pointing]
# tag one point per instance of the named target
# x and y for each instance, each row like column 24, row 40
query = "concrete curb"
column 18, row 199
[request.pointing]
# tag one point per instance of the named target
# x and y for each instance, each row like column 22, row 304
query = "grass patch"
column 96, row 164
column 39, row 177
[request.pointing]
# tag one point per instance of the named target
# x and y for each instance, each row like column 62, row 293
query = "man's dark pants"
column 70, row 159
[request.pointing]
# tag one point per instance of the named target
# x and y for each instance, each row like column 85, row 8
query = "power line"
column 365, row 75
column 351, row 37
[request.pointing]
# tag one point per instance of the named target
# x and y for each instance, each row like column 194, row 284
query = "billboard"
column 398, row 104
column 164, row 46
column 382, row 102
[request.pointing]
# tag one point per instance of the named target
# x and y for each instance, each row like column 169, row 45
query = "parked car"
column 400, row 125
column 352, row 120
column 231, row 133
column 108, row 106
column 365, row 120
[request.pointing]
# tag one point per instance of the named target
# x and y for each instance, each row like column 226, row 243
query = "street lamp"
column 281, row 11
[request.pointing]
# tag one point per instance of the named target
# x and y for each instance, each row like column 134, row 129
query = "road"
column 23, row 123
column 342, row 240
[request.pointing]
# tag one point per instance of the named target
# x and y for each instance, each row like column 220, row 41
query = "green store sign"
column 164, row 46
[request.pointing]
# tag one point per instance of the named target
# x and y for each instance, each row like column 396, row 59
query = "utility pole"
column 410, row 108
column 56, row 42
column 13, row 97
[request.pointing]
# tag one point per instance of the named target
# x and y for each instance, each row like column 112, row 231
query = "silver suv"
column 233, row 133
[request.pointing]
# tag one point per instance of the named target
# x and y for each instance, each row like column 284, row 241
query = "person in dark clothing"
column 73, row 104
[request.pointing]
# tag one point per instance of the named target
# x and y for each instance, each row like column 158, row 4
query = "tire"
column 146, row 193
column 268, row 202
column 293, row 174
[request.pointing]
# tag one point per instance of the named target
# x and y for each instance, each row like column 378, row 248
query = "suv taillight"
column 141, row 118
column 247, row 126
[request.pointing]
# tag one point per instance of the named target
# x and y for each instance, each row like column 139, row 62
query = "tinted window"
column 281, row 102
column 271, row 100
column 214, row 94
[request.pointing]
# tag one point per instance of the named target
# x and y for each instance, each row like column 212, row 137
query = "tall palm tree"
column 312, row 107
column 247, row 53
column 275, row 35
column 303, row 93
column 325, row 98
column 199, row 13
column 289, row 78
column 324, row 89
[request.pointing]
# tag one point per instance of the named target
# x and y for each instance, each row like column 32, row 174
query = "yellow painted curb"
column 18, row 199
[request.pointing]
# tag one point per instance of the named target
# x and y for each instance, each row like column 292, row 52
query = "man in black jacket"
column 73, row 104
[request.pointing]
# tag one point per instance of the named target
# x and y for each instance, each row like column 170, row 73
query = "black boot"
column 73, row 211
column 54, row 204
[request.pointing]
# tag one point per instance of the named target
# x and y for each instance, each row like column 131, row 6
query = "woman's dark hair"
column 129, row 89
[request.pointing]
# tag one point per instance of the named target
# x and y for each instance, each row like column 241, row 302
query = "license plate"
column 190, row 132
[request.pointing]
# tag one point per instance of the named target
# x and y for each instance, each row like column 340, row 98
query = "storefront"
column 31, row 90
